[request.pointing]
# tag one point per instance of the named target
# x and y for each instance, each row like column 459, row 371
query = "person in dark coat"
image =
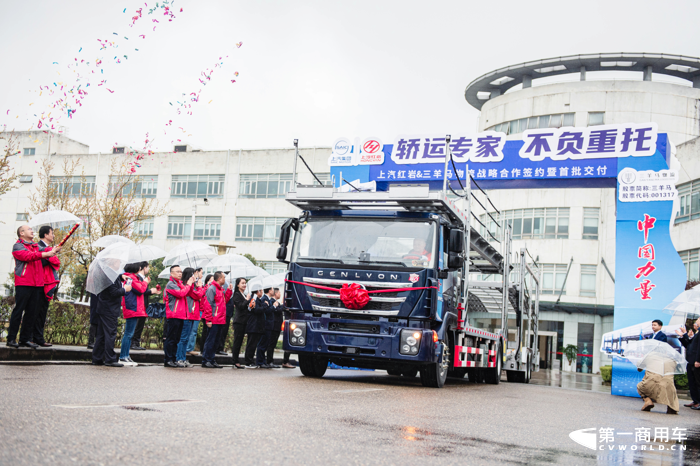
column 269, row 304
column 278, row 314
column 223, row 331
column 656, row 327
column 241, row 312
column 255, row 328
column 692, row 356
column 109, row 308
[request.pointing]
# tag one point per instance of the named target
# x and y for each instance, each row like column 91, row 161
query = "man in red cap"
column 29, row 286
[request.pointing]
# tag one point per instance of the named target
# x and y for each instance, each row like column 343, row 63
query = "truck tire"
column 434, row 375
column 493, row 375
column 515, row 376
column 311, row 366
column 410, row 373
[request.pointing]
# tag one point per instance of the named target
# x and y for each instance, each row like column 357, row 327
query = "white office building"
column 572, row 231
column 232, row 196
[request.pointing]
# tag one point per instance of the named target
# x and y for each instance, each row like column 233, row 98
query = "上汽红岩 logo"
column 640, row 438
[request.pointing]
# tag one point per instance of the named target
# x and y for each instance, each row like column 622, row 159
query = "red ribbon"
column 354, row 295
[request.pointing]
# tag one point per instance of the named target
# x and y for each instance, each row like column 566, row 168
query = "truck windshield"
column 356, row 242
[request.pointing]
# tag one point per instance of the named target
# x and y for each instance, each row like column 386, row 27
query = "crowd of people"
column 189, row 299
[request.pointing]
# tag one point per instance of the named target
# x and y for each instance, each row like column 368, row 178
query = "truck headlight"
column 410, row 342
column 298, row 330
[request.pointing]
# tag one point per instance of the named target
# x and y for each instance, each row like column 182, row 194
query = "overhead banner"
column 633, row 158
column 571, row 157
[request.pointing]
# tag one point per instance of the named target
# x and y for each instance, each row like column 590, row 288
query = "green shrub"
column 681, row 381
column 606, row 373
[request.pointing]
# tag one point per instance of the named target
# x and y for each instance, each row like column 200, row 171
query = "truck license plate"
column 351, row 350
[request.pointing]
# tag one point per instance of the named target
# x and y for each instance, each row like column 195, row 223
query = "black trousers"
column 40, row 320
column 222, row 334
column 285, row 360
column 693, row 383
column 251, row 346
column 27, row 302
column 91, row 335
column 238, row 335
column 209, row 351
column 172, row 338
column 104, row 338
column 136, row 339
column 274, row 336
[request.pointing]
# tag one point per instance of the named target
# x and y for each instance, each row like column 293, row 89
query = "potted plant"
column 570, row 352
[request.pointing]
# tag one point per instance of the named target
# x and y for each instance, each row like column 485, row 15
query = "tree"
column 252, row 259
column 111, row 210
column 7, row 174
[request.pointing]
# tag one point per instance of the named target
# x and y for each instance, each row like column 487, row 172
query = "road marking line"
column 128, row 404
column 360, row 390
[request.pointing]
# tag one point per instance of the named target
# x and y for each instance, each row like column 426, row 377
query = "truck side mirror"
column 456, row 241
column 285, row 233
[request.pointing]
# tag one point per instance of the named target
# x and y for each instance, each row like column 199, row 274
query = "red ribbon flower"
column 354, row 296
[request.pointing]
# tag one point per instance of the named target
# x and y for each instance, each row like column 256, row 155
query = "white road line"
column 360, row 390
column 128, row 404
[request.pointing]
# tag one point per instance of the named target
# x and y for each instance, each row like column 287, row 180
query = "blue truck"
column 381, row 280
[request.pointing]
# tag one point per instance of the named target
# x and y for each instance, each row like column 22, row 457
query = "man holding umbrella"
column 692, row 356
column 51, row 267
column 29, row 286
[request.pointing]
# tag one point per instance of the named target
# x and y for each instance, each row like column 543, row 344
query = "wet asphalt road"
column 280, row 417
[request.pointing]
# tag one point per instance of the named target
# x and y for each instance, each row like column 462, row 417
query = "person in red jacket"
column 175, row 298
column 29, row 286
column 51, row 265
column 197, row 292
column 215, row 318
column 133, row 306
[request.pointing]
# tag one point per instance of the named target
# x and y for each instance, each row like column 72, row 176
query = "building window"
column 588, row 280
column 198, row 186
column 145, row 187
column 26, row 178
column 207, row 227
column 258, row 228
column 265, row 186
column 325, row 179
column 591, row 218
column 557, row 120
column 29, row 151
column 73, row 186
column 689, row 201
column 144, row 228
column 117, row 150
column 553, row 276
column 22, row 217
column 596, row 118
column 180, row 149
column 179, row 227
column 273, row 267
column 550, row 222
column 690, row 260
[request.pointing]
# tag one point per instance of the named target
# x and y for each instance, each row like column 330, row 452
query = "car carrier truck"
column 381, row 280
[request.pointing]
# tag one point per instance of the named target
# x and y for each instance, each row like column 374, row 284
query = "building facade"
column 230, row 196
column 572, row 231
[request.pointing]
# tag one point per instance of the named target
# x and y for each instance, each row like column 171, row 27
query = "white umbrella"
column 655, row 356
column 190, row 254
column 110, row 240
column 229, row 261
column 265, row 282
column 245, row 272
column 54, row 219
column 102, row 273
column 165, row 273
column 131, row 252
column 687, row 302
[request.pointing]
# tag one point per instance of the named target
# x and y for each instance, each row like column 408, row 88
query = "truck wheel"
column 434, row 375
column 493, row 375
column 411, row 373
column 515, row 376
column 394, row 372
column 311, row 366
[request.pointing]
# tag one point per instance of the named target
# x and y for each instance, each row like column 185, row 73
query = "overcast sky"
column 313, row 70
